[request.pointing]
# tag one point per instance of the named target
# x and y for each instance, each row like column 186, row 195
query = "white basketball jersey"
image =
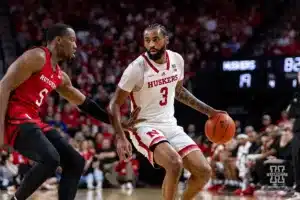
column 152, row 87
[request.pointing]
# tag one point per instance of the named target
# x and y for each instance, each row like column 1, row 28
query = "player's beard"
column 157, row 55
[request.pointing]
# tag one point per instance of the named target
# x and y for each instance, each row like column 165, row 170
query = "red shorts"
column 12, row 124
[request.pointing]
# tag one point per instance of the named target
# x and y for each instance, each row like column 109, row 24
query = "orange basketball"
column 220, row 128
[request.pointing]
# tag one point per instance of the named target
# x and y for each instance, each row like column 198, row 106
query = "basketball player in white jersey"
column 153, row 81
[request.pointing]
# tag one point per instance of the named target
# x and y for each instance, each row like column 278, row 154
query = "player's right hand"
column 133, row 120
column 124, row 148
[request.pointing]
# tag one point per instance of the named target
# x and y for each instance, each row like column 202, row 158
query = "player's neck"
column 54, row 57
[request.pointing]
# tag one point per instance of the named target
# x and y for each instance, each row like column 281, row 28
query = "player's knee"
column 175, row 164
column 203, row 172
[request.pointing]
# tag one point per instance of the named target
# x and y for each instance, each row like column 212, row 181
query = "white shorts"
column 147, row 136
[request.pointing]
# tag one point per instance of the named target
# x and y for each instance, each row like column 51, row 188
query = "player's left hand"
column 129, row 124
column 215, row 112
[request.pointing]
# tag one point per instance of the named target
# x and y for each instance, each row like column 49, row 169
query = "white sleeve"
column 181, row 63
column 131, row 77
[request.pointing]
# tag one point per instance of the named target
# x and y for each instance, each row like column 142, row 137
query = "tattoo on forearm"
column 185, row 97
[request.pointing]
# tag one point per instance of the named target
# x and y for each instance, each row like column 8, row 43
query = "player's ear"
column 167, row 39
column 58, row 39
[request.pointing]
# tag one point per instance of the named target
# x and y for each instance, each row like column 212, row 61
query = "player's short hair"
column 157, row 26
column 56, row 30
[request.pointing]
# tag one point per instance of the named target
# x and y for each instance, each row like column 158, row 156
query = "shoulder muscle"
column 22, row 68
column 132, row 75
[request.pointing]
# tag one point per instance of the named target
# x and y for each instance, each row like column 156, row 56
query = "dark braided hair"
column 158, row 26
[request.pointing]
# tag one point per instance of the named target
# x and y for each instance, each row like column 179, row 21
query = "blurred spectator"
column 191, row 130
column 92, row 174
column 238, row 126
column 283, row 118
column 70, row 117
column 128, row 171
column 107, row 156
column 8, row 172
column 204, row 144
column 56, row 122
column 266, row 122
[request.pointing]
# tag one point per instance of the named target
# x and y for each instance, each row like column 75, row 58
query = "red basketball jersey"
column 25, row 101
column 31, row 94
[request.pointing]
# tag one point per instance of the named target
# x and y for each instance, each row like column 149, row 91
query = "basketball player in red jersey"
column 153, row 81
column 24, row 89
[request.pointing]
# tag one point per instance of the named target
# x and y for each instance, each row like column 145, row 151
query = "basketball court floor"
column 138, row 194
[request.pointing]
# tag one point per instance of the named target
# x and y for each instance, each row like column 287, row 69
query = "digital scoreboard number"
column 291, row 65
column 240, row 72
column 285, row 71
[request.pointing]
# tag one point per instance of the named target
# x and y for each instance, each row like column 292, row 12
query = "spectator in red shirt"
column 98, row 141
column 70, row 116
column 92, row 174
column 128, row 171
column 284, row 118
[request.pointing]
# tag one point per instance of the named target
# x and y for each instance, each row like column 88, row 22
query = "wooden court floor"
column 138, row 194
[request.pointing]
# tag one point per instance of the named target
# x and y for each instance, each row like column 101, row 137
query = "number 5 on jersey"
column 42, row 95
column 164, row 91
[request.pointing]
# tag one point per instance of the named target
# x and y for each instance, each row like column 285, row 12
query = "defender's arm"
column 74, row 96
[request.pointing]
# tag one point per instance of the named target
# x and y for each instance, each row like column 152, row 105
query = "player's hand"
column 129, row 124
column 215, row 112
column 298, row 78
column 124, row 148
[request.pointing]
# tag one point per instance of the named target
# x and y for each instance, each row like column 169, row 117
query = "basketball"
column 220, row 128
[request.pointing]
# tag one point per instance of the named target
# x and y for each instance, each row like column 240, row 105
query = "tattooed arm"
column 184, row 96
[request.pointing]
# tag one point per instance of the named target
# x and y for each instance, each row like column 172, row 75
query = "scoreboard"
column 277, row 73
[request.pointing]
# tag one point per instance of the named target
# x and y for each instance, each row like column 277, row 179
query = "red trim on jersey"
column 133, row 100
column 152, row 66
column 143, row 145
column 188, row 149
column 168, row 60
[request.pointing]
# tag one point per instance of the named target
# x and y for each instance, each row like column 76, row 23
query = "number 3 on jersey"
column 164, row 91
column 42, row 95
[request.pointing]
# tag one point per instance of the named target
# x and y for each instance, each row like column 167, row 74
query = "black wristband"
column 92, row 108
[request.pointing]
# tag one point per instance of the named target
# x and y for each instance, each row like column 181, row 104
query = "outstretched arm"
column 74, row 96
column 184, row 96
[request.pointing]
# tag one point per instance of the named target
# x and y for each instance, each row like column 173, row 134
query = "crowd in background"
column 109, row 38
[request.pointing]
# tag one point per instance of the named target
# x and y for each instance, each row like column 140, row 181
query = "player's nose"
column 75, row 46
column 151, row 44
